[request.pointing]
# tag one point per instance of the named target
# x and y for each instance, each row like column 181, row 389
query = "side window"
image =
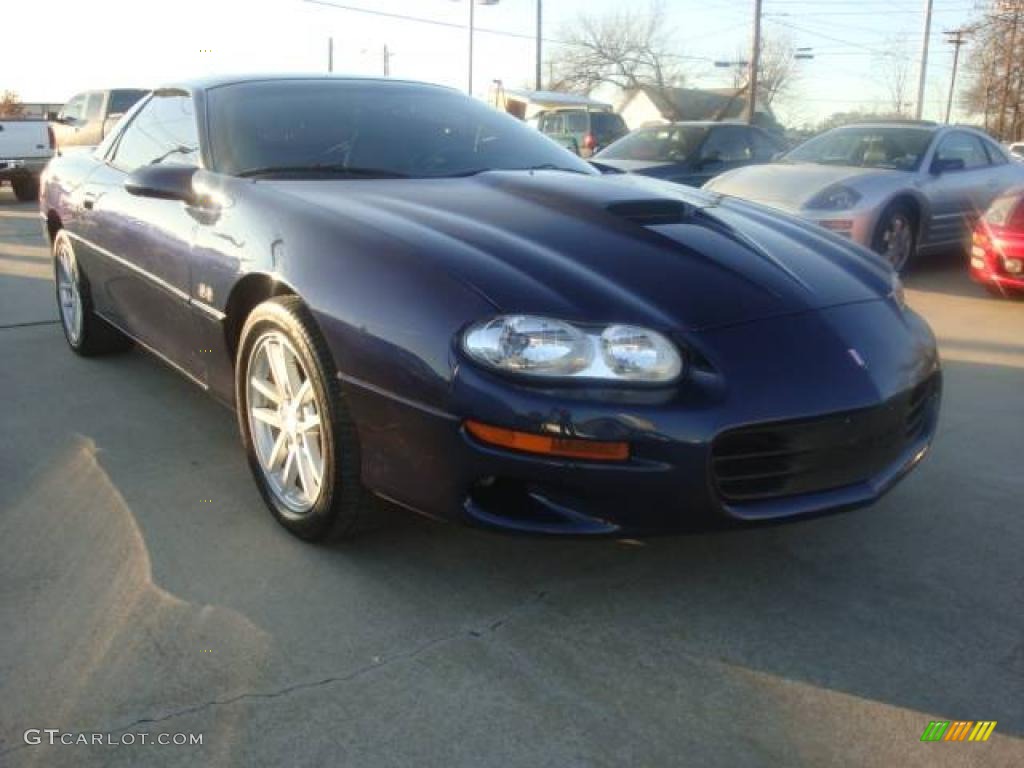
column 552, row 124
column 963, row 146
column 727, row 143
column 93, row 106
column 764, row 147
column 74, row 109
column 576, row 122
column 163, row 131
column 995, row 153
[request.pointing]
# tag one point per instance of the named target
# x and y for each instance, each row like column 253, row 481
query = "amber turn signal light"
column 548, row 445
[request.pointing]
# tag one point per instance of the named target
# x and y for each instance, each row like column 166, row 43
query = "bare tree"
column 995, row 69
column 10, row 105
column 777, row 74
column 894, row 66
column 627, row 48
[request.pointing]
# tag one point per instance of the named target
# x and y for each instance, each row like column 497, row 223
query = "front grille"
column 769, row 461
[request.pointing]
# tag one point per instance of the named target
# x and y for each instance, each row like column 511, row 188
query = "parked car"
column 404, row 292
column 1016, row 150
column 899, row 188
column 690, row 153
column 90, row 116
column 583, row 131
column 25, row 148
column 997, row 252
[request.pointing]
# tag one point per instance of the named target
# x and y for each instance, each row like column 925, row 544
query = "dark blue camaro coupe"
column 403, row 292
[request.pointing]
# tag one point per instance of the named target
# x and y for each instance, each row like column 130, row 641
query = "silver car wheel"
column 68, row 291
column 898, row 239
column 285, row 422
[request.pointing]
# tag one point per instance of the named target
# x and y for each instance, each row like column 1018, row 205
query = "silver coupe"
column 898, row 188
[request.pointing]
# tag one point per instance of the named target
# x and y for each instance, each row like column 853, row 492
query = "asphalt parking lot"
column 145, row 589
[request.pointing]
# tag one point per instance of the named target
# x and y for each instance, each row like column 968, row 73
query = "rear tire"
column 87, row 334
column 26, row 188
column 285, row 383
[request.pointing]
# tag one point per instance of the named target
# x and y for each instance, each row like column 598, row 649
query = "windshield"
column 369, row 129
column 665, row 143
column 896, row 147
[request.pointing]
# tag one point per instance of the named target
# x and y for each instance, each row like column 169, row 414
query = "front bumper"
column 857, row 225
column 790, row 368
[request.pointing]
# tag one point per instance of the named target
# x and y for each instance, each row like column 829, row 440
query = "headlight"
column 835, row 198
column 541, row 346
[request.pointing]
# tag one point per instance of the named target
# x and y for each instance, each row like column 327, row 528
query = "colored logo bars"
column 958, row 730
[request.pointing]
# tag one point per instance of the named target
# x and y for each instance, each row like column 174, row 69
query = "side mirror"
column 163, row 182
column 942, row 165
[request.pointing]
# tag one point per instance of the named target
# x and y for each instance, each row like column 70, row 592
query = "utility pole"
column 755, row 61
column 540, row 28
column 956, row 38
column 330, row 54
column 922, row 74
column 387, row 61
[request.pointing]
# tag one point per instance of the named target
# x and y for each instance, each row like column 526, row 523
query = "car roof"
column 217, row 81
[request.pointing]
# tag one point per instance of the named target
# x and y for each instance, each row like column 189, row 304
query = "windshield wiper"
column 478, row 171
column 332, row 169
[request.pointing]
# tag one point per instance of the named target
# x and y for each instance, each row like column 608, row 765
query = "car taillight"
column 589, row 142
column 53, row 139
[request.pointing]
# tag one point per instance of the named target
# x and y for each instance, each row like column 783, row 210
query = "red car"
column 997, row 253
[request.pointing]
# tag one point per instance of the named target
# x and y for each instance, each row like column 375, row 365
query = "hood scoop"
column 651, row 213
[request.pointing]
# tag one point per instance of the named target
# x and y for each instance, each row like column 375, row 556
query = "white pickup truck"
column 26, row 146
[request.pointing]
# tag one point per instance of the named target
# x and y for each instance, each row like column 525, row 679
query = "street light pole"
column 923, row 72
column 755, row 59
column 540, row 26
column 472, row 6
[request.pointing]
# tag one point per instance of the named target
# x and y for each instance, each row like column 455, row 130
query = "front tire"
column 87, row 334
column 298, row 435
column 896, row 237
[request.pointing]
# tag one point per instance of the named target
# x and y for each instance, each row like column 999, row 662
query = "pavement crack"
column 379, row 662
column 29, row 324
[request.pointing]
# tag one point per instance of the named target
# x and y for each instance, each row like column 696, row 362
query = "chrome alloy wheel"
column 285, row 423
column 68, row 292
column 898, row 238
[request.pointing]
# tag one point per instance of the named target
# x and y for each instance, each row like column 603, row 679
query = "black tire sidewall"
column 337, row 507
column 878, row 245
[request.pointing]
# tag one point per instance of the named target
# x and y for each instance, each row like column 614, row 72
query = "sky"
column 121, row 43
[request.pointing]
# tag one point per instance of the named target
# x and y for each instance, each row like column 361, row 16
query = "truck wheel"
column 26, row 188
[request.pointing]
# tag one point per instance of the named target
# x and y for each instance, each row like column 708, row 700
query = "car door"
column 725, row 147
column 90, row 132
column 145, row 244
column 958, row 196
column 69, row 121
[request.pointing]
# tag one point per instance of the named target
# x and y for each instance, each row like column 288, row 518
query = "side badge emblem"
column 857, row 358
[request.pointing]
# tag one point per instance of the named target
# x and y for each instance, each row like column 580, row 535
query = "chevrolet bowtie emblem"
column 857, row 358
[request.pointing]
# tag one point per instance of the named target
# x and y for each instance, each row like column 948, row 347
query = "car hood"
column 792, row 185
column 600, row 248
